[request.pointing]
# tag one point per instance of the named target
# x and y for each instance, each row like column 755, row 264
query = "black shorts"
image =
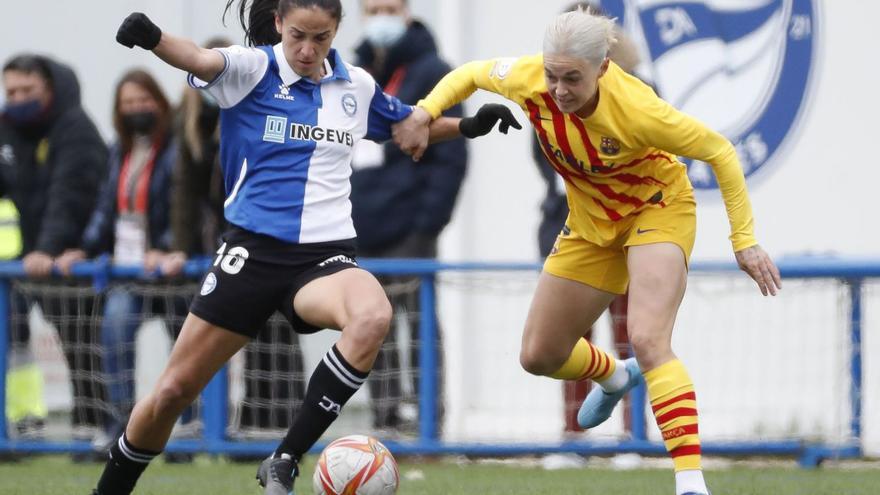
column 255, row 275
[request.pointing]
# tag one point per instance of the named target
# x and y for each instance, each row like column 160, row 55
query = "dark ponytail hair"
column 257, row 17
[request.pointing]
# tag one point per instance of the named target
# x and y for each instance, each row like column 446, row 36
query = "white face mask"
column 385, row 30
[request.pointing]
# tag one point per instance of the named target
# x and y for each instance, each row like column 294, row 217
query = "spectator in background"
column 400, row 207
column 132, row 220
column 274, row 379
column 25, row 404
column 554, row 212
column 52, row 159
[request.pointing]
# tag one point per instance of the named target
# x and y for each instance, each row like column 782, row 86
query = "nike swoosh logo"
column 644, row 231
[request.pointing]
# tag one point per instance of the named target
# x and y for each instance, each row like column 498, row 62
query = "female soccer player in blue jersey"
column 292, row 111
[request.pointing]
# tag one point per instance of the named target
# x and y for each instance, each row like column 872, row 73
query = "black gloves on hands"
column 138, row 29
column 483, row 122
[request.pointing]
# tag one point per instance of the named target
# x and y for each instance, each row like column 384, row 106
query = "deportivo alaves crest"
column 744, row 67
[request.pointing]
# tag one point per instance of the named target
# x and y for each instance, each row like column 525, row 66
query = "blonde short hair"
column 582, row 34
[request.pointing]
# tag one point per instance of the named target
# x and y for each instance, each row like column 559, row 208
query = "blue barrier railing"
column 215, row 396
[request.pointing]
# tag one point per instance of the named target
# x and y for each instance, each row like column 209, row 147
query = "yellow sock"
column 675, row 406
column 586, row 361
column 24, row 393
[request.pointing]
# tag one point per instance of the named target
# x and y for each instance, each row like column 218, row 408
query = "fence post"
column 637, row 414
column 4, row 351
column 214, row 410
column 855, row 294
column 427, row 360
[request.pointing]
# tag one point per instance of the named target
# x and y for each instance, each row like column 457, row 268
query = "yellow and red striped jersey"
column 620, row 159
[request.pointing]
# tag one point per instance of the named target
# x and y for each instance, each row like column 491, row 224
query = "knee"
column 540, row 361
column 648, row 344
column 173, row 395
column 370, row 326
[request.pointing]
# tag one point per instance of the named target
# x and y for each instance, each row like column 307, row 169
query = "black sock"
column 332, row 384
column 123, row 468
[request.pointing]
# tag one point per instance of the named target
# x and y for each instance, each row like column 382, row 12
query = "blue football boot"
column 598, row 405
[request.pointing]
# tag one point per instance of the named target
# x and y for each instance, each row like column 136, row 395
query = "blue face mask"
column 385, row 30
column 26, row 112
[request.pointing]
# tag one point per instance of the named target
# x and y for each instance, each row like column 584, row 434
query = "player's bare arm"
column 416, row 132
column 139, row 30
column 413, row 134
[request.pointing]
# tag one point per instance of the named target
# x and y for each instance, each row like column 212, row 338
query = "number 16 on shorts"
column 233, row 261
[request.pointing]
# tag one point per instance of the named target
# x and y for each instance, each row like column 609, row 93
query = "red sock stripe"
column 685, row 396
column 594, row 358
column 680, row 431
column 685, row 450
column 606, row 368
column 674, row 414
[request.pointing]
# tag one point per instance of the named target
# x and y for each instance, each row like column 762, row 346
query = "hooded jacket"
column 402, row 197
column 52, row 170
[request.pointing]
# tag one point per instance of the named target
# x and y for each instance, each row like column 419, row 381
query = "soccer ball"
column 356, row 465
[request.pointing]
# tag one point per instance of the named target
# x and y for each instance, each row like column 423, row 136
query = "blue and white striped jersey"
column 286, row 141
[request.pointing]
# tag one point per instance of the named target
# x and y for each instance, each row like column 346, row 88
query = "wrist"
column 467, row 126
column 157, row 40
column 430, row 111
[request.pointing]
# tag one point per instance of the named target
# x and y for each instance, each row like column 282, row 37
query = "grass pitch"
column 57, row 475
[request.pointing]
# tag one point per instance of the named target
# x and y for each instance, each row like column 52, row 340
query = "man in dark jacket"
column 52, row 160
column 400, row 207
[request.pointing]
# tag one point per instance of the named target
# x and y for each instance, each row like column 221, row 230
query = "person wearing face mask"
column 197, row 199
column 52, row 159
column 401, row 207
column 132, row 221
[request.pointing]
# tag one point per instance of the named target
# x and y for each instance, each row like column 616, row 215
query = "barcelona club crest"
column 744, row 68
column 609, row 146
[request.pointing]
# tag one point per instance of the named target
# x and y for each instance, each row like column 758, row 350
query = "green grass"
column 57, row 475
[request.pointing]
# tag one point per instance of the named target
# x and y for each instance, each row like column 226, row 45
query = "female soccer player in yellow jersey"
column 632, row 220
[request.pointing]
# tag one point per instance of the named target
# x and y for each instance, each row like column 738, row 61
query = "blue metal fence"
column 215, row 396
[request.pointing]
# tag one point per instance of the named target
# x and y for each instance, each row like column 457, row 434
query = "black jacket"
column 403, row 197
column 52, row 171
column 100, row 234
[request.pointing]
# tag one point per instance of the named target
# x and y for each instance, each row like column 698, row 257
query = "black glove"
column 483, row 122
column 138, row 29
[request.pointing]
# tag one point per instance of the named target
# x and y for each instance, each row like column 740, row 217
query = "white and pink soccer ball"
column 356, row 465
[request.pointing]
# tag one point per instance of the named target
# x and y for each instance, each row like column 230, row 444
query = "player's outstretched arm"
column 484, row 120
column 138, row 30
column 757, row 263
column 412, row 134
column 415, row 133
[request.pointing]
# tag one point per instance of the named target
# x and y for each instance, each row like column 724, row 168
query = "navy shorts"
column 255, row 275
